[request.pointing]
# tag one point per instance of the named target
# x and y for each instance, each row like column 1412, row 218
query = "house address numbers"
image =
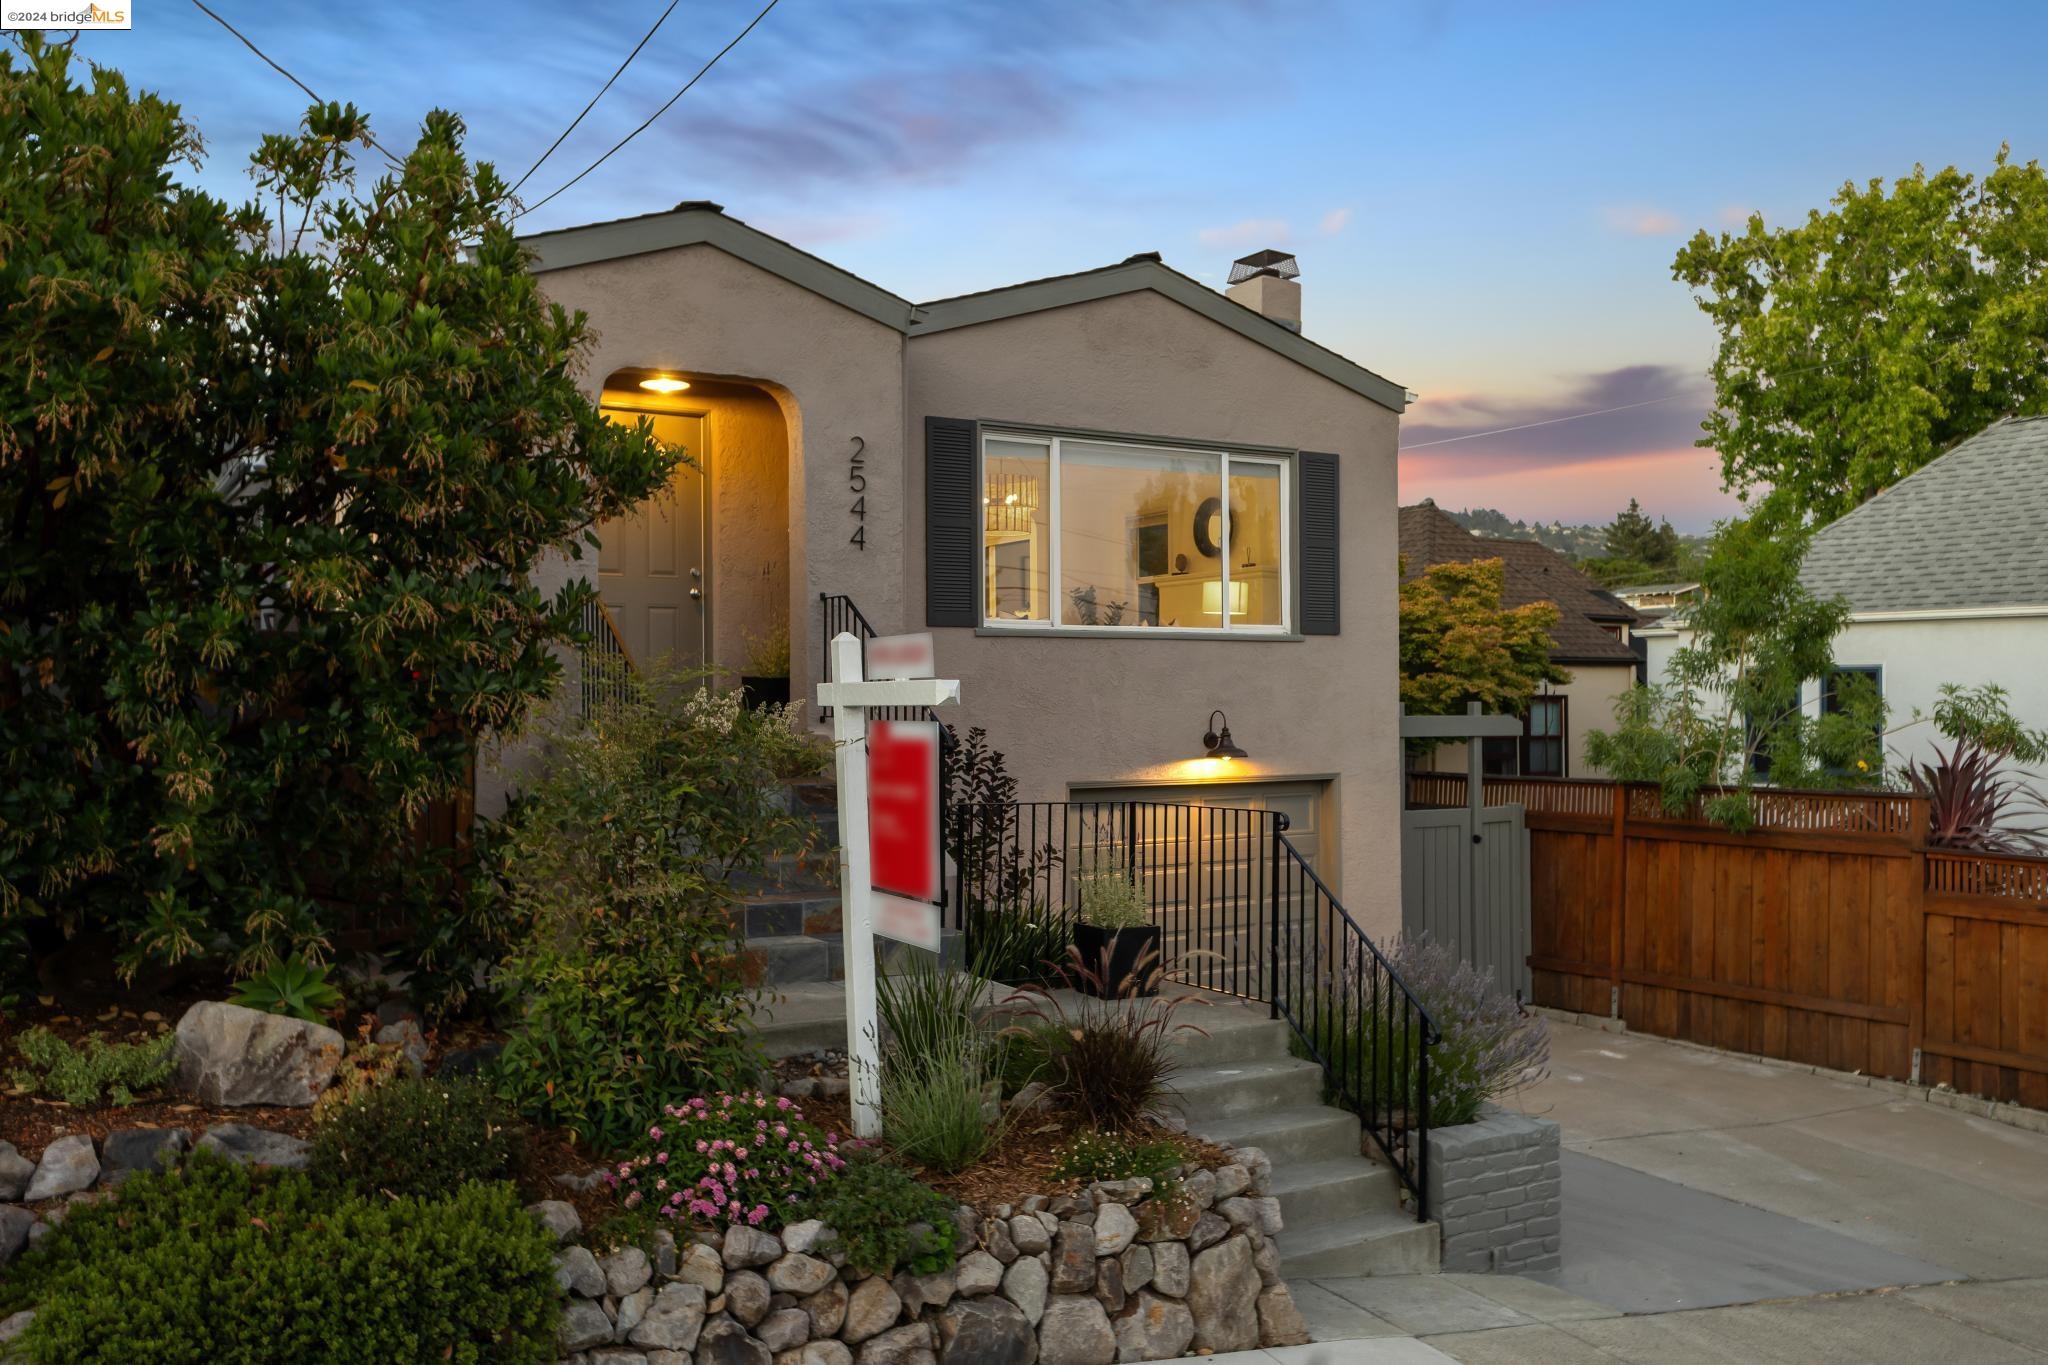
column 857, row 484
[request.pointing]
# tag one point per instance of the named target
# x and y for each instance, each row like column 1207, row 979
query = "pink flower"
column 654, row 1133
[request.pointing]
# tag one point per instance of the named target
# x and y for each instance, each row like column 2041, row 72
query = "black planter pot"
column 759, row 692
column 1125, row 948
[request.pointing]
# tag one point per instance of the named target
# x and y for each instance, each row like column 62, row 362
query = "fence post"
column 1916, row 952
column 1618, row 893
column 1274, row 824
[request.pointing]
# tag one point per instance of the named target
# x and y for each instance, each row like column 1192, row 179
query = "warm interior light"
column 1212, row 598
column 664, row 383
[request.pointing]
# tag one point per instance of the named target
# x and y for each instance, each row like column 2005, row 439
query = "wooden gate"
column 1472, row 898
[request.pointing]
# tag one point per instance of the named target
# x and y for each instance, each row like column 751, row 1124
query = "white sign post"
column 850, row 696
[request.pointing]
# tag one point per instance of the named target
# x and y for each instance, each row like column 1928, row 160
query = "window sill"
column 1035, row 632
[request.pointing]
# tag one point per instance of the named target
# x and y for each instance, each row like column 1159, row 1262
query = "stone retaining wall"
column 1495, row 1188
column 1106, row 1275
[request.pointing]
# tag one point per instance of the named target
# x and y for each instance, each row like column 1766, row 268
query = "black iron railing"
column 606, row 672
column 1354, row 1014
column 843, row 617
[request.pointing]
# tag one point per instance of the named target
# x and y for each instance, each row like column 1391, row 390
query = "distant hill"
column 1574, row 542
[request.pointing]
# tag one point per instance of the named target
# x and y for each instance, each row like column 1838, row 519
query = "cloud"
column 1641, row 407
column 1735, row 215
column 1247, row 233
column 1334, row 222
column 1638, row 220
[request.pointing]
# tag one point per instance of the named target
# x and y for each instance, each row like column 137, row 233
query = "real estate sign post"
column 890, row 861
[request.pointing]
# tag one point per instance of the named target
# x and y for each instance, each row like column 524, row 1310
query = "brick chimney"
column 1266, row 283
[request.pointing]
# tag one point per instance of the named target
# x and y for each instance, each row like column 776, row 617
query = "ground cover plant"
column 417, row 1137
column 886, row 1218
column 94, row 1070
column 735, row 1158
column 197, row 1266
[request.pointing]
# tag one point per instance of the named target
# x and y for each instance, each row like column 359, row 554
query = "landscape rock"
column 1260, row 1166
column 1280, row 1321
column 785, row 1329
column 230, row 1055
column 746, row 1296
column 1115, row 1229
column 1025, row 1284
column 1207, row 1232
column 626, row 1271
column 1028, row 1234
column 1223, row 1290
column 1266, row 1256
column 996, row 1238
column 1170, row 1269
column 577, row 1272
column 1073, row 1259
column 700, row 1265
column 1260, row 1212
column 614, row 1355
column 15, row 1222
column 15, row 1170
column 727, row 1343
column 632, row 1308
column 872, row 1308
column 1137, row 1267
column 1122, row 1191
column 1032, row 1096
column 15, row 1324
column 1075, row 1331
column 977, row 1273
column 920, row 1292
column 1231, row 1181
column 827, row 1309
column 807, row 1236
column 673, row 1321
column 584, row 1325
column 558, row 1217
column 127, row 1151
column 822, row 1353
column 910, row 1344
column 1168, row 1220
column 1109, row 1284
column 796, row 1273
column 68, row 1165
column 745, row 1246
column 247, row 1145
column 986, row 1331
column 1157, row 1328
column 406, row 1036
column 1200, row 1187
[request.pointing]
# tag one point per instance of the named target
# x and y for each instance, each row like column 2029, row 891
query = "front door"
column 652, row 570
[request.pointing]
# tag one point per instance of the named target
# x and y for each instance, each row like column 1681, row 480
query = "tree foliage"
column 1460, row 645
column 274, row 481
column 1860, row 344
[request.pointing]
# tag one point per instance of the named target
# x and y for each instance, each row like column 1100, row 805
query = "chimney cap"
column 698, row 204
column 1267, row 262
column 1137, row 257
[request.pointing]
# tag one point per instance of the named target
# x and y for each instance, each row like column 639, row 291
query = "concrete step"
column 1299, row 1133
column 787, row 959
column 1231, row 1032
column 1313, row 1194
column 1234, row 1088
column 1385, row 1242
column 807, row 1017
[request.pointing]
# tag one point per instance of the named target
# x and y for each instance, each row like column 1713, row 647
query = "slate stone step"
column 780, row 914
column 788, row 959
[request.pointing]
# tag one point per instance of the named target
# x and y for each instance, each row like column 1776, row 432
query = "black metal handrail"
column 1355, row 1015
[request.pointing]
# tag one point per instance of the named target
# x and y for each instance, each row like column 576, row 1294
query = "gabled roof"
column 1968, row 531
column 697, row 222
column 1534, row 573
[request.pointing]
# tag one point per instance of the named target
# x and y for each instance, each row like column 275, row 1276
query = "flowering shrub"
column 737, row 1158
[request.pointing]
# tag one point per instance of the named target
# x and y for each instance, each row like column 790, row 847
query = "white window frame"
column 1055, row 599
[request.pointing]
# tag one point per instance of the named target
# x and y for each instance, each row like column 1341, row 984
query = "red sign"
column 903, row 808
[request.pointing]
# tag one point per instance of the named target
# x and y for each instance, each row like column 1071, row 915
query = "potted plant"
column 1115, row 933
column 766, row 677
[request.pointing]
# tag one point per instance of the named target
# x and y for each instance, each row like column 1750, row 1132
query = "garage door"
column 1204, row 855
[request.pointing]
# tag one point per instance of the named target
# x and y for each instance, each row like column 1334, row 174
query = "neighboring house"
column 1946, row 574
column 1591, row 640
column 1119, row 499
column 1655, row 601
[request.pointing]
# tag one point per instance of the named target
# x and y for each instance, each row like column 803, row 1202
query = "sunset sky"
column 1485, row 198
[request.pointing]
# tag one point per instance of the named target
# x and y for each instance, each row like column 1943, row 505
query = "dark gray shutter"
column 951, row 519
column 1319, row 605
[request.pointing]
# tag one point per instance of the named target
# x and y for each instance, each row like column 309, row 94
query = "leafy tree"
column 1460, row 645
column 274, row 488
column 1730, row 713
column 1860, row 344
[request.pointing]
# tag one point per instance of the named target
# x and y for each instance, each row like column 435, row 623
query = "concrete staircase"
column 1237, row 1083
column 1342, row 1212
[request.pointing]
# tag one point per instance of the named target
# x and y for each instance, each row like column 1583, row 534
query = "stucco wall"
column 1092, row 710
column 1919, row 656
column 1589, row 705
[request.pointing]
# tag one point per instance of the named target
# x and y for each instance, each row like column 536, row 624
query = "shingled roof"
column 1534, row 573
column 1966, row 531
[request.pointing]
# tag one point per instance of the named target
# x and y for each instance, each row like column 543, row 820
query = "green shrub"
column 293, row 986
column 1032, row 1054
column 885, row 1218
column 418, row 1137
column 941, row 1064
column 96, row 1071
column 218, row 1264
column 1110, row 897
column 1117, row 1156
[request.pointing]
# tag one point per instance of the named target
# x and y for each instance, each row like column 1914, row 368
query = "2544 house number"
column 857, row 484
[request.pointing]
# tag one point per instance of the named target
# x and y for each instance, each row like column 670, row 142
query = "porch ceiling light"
column 1217, row 743
column 664, row 383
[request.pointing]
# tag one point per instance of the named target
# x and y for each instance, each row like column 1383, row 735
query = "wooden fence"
column 1829, row 935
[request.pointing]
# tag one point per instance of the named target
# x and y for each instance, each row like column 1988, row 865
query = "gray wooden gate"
column 1471, row 898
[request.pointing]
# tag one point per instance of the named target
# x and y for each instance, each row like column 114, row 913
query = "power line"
column 657, row 113
column 599, row 95
column 272, row 64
